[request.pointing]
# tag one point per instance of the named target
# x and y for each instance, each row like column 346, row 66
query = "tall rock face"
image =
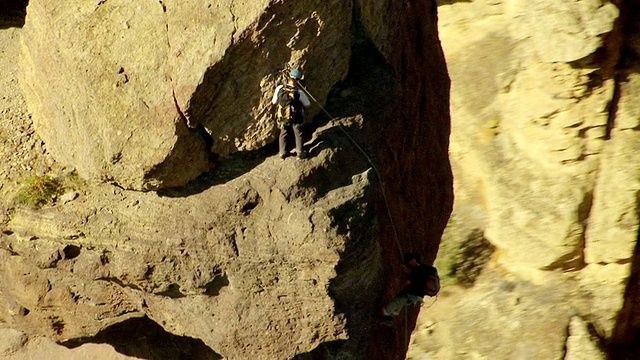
column 544, row 149
column 258, row 257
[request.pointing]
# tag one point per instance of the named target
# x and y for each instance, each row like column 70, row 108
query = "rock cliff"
column 174, row 231
column 544, row 149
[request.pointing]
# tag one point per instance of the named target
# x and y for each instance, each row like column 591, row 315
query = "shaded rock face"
column 258, row 257
column 544, row 149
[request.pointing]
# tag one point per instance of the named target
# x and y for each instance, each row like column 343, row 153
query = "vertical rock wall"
column 544, row 149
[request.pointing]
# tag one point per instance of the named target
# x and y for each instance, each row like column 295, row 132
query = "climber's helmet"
column 295, row 74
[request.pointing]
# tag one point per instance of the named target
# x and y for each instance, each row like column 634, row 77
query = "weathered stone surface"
column 581, row 345
column 499, row 318
column 98, row 83
column 42, row 348
column 229, row 267
column 566, row 31
column 150, row 79
column 11, row 341
column 534, row 129
column 259, row 258
column 612, row 230
column 543, row 146
column 233, row 274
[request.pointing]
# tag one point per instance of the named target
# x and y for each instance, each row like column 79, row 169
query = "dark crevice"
column 625, row 340
column 365, row 96
column 213, row 287
column 119, row 283
column 57, row 324
column 565, row 348
column 145, row 339
column 71, row 251
column 172, row 291
column 612, row 108
column 596, row 337
column 183, row 119
column 198, row 129
column 584, row 211
column 12, row 13
column 148, row 272
column 234, row 22
column 248, row 201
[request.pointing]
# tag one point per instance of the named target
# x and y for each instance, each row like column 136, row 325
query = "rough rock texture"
column 580, row 343
column 159, row 84
column 13, row 345
column 257, row 258
column 544, row 149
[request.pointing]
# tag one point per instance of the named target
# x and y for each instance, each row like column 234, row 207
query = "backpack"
column 289, row 105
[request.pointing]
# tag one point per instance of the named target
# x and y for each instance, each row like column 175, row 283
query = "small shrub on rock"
column 39, row 190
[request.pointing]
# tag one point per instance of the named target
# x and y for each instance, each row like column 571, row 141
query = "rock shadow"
column 625, row 340
column 359, row 109
column 368, row 89
column 212, row 108
column 222, row 106
column 225, row 170
column 366, row 94
column 145, row 339
column 354, row 115
column 451, row 2
column 12, row 13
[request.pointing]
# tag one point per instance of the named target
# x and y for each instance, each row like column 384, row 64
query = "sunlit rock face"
column 544, row 149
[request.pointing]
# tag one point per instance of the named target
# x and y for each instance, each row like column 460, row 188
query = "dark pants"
column 284, row 134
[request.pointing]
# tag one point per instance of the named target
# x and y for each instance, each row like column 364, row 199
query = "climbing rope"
column 384, row 196
column 373, row 166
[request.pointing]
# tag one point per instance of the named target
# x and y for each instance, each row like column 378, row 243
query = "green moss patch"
column 39, row 190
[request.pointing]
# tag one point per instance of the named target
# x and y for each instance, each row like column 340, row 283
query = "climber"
column 421, row 280
column 290, row 100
